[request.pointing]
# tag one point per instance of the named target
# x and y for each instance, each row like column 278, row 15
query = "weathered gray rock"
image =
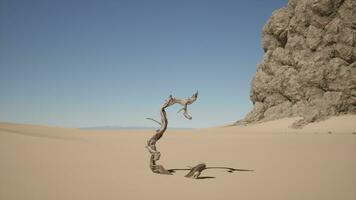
column 309, row 66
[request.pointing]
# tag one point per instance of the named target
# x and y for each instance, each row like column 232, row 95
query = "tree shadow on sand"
column 228, row 169
column 193, row 172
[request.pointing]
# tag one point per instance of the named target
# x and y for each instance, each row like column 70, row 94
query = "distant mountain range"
column 128, row 128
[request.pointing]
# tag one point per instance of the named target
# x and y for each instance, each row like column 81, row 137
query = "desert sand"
column 49, row 163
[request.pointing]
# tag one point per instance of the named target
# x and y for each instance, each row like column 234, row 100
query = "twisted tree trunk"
column 151, row 143
column 159, row 169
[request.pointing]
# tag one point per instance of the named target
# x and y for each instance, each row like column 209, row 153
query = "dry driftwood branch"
column 196, row 171
column 154, row 120
column 151, row 143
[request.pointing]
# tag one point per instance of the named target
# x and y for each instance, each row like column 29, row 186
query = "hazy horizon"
column 113, row 63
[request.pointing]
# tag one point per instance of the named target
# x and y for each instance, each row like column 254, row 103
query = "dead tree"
column 151, row 143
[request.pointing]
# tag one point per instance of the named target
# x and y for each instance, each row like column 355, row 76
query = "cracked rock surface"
column 309, row 66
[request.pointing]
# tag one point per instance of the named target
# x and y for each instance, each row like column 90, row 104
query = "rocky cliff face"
column 309, row 67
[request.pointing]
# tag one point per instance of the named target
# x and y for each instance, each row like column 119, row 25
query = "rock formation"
column 309, row 67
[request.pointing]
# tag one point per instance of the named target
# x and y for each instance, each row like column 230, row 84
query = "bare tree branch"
column 196, row 171
column 154, row 120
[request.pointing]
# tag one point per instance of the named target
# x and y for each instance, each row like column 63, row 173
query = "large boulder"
column 309, row 66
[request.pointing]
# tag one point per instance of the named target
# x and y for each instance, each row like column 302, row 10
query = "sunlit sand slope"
column 317, row 162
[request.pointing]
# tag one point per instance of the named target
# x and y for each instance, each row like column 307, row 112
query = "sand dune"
column 316, row 162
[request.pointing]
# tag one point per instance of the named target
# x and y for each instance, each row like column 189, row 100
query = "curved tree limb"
column 196, row 171
column 151, row 143
column 149, row 118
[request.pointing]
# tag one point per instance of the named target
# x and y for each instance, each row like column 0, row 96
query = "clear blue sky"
column 90, row 63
